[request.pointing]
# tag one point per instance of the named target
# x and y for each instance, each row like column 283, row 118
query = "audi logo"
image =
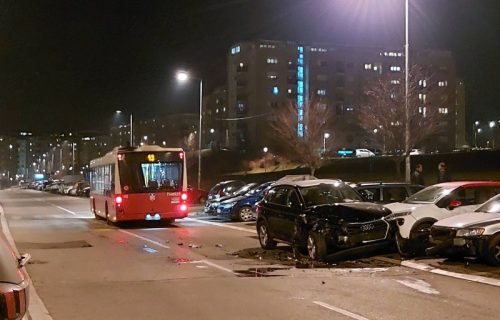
column 367, row 227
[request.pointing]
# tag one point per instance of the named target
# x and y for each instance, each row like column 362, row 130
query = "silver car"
column 474, row 234
column 14, row 283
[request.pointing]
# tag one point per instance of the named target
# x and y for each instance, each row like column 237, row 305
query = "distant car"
column 414, row 152
column 197, row 196
column 322, row 216
column 241, row 208
column 14, row 283
column 386, row 192
column 221, row 190
column 472, row 234
column 419, row 212
column 363, row 153
column 211, row 206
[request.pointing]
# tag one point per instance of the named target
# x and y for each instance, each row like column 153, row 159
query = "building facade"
column 265, row 74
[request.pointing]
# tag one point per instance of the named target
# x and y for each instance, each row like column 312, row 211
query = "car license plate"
column 459, row 242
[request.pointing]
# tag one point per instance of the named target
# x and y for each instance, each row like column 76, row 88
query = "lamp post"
column 492, row 128
column 131, row 127
column 265, row 150
column 479, row 130
column 474, row 129
column 407, row 111
column 325, row 136
column 183, row 76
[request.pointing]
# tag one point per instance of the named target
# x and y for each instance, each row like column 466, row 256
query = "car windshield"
column 258, row 189
column 245, row 189
column 490, row 206
column 327, row 193
column 429, row 195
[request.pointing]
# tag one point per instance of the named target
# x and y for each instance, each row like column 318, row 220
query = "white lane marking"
column 214, row 265
column 223, row 225
column 479, row 279
column 36, row 307
column 419, row 285
column 64, row 209
column 161, row 245
column 341, row 311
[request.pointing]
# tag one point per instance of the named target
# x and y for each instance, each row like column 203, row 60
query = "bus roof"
column 110, row 157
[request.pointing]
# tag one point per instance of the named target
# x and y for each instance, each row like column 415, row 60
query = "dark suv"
column 386, row 192
column 321, row 215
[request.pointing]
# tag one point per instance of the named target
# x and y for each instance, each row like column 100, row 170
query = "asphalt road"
column 203, row 269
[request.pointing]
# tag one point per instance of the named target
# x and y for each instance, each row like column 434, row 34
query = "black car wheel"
column 316, row 246
column 245, row 214
column 493, row 253
column 264, row 237
column 405, row 246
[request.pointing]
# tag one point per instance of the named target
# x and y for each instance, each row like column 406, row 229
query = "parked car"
column 240, row 207
column 197, row 196
column 471, row 234
column 386, row 192
column 77, row 188
column 14, row 283
column 419, row 212
column 221, row 190
column 321, row 215
column 363, row 153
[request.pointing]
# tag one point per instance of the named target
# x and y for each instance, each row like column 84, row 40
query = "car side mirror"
column 13, row 301
column 454, row 204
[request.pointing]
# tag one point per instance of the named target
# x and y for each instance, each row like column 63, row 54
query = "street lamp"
column 407, row 111
column 492, row 128
column 325, row 136
column 183, row 76
column 474, row 129
column 118, row 112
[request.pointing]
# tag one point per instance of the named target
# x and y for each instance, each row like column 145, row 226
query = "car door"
column 275, row 205
column 466, row 199
column 290, row 213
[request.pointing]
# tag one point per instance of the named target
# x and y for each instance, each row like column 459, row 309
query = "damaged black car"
column 321, row 217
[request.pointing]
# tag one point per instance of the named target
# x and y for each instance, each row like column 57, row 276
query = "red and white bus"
column 139, row 183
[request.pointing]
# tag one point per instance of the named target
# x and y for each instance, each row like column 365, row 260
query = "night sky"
column 69, row 64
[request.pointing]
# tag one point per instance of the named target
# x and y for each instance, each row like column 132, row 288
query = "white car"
column 363, row 153
column 419, row 212
column 473, row 234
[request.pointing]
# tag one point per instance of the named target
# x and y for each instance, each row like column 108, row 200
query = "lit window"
column 272, row 76
column 368, row 66
column 241, row 106
column 443, row 83
column 422, row 83
column 443, row 110
column 314, row 49
column 276, row 90
column 396, row 81
column 289, row 91
column 422, row 110
column 349, row 109
column 395, row 68
column 235, row 50
column 322, row 50
column 321, row 92
column 393, row 95
column 422, row 97
column 242, row 64
column 272, row 60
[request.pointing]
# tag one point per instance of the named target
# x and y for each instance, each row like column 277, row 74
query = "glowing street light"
column 325, row 136
column 119, row 112
column 183, row 76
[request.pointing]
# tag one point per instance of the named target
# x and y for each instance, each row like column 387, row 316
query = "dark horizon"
column 70, row 65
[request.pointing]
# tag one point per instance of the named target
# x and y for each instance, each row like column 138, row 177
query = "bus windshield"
column 153, row 172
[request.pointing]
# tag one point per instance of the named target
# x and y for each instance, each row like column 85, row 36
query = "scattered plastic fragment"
column 218, row 245
column 181, row 260
column 195, row 246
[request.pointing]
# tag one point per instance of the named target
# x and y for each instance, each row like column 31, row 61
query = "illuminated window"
column 272, row 75
column 395, row 81
column 289, row 91
column 321, row 92
column 443, row 110
column 443, row 83
column 276, row 90
column 422, row 83
column 368, row 66
column 235, row 50
column 422, row 97
column 272, row 60
column 422, row 110
column 395, row 68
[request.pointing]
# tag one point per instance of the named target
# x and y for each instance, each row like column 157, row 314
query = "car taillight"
column 184, row 196
column 118, row 200
column 181, row 155
column 183, row 207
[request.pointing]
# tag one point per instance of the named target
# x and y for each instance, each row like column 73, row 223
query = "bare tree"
column 383, row 114
column 306, row 148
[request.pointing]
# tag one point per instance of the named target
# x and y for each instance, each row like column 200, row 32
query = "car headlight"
column 474, row 232
column 228, row 205
column 396, row 215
